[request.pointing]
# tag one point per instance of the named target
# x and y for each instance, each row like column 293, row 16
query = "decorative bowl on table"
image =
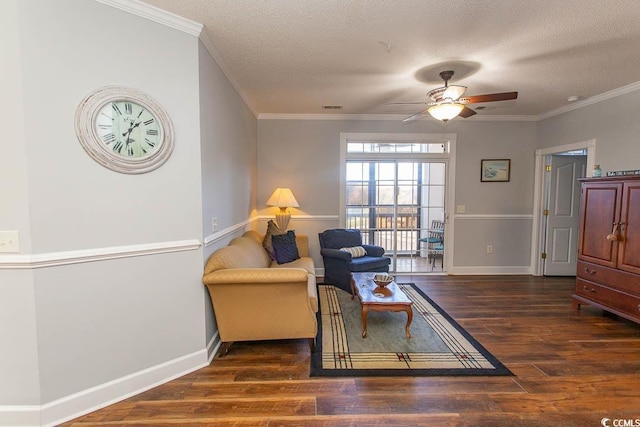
column 382, row 280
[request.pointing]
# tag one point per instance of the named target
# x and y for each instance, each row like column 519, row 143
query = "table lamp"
column 283, row 198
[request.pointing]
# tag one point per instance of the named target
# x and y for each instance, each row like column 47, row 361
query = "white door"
column 563, row 195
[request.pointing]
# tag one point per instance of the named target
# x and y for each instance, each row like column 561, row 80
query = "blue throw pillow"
column 284, row 245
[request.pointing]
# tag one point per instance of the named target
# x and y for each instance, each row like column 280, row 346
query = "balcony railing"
column 407, row 231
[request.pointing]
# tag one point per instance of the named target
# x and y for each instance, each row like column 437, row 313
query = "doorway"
column 556, row 202
column 562, row 212
column 393, row 188
column 394, row 204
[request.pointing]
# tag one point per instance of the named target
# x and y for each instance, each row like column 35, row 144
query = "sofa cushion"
column 355, row 251
column 267, row 241
column 305, row 263
column 285, row 248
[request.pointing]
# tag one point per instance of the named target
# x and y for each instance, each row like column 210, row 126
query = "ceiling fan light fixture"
column 446, row 111
column 454, row 92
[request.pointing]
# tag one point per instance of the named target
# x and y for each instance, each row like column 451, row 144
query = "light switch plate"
column 461, row 209
column 9, row 241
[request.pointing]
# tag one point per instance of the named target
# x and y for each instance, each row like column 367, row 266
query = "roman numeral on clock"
column 149, row 142
column 108, row 138
column 152, row 132
column 148, row 122
column 128, row 108
column 118, row 146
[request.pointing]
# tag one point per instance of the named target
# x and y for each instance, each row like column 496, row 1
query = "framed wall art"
column 495, row 170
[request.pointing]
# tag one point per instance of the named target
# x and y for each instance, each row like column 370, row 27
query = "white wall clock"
column 124, row 129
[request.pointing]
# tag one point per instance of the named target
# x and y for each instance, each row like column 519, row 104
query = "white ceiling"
column 294, row 56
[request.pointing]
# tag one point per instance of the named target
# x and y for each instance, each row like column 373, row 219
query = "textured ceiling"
column 294, row 56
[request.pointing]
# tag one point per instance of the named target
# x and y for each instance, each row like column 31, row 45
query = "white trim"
column 15, row 416
column 185, row 25
column 304, row 217
column 591, row 100
column 213, row 346
column 481, row 270
column 212, row 238
column 539, row 194
column 387, row 117
column 500, row 217
column 94, row 398
column 449, row 158
column 213, row 51
column 477, row 118
column 90, row 255
column 156, row 14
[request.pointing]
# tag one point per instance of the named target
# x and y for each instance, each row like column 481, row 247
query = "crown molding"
column 156, row 14
column 208, row 44
column 591, row 100
column 188, row 26
column 382, row 117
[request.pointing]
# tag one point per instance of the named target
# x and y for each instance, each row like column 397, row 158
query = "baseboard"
column 14, row 416
column 491, row 270
column 213, row 346
column 94, row 398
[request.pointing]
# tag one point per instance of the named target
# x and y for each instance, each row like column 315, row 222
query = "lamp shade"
column 445, row 111
column 283, row 198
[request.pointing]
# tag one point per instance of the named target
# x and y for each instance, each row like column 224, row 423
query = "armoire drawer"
column 620, row 280
column 609, row 297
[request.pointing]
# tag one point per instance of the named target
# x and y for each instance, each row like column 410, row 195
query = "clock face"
column 124, row 130
column 128, row 129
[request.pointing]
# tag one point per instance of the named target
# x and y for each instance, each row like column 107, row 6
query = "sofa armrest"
column 373, row 250
column 335, row 253
column 255, row 275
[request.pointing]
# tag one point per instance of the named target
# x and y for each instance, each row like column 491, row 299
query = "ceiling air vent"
column 332, row 107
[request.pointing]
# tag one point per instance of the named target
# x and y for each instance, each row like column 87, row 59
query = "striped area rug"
column 439, row 346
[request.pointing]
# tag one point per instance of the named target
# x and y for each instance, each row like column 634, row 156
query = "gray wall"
column 612, row 123
column 305, row 156
column 229, row 134
column 75, row 331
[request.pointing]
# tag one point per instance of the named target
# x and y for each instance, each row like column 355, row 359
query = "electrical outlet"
column 489, row 249
column 9, row 241
column 461, row 209
column 214, row 224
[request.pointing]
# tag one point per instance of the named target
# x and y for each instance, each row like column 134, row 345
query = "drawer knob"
column 589, row 271
column 584, row 288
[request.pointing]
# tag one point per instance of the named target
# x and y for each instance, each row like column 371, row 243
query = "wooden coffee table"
column 363, row 286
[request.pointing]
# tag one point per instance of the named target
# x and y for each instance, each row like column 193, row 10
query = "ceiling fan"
column 447, row 101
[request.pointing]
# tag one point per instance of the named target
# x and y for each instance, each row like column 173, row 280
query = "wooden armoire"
column 608, row 272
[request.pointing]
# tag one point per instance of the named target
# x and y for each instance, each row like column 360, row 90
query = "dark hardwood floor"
column 571, row 369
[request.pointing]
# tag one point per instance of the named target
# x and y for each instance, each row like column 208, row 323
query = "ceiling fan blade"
column 504, row 96
column 415, row 116
column 454, row 92
column 466, row 112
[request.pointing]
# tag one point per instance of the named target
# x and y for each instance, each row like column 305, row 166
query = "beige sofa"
column 255, row 298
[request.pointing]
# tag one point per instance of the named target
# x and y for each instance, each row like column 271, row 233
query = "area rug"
column 438, row 345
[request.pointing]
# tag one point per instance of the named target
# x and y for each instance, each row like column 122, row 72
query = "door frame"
column 449, row 158
column 540, row 193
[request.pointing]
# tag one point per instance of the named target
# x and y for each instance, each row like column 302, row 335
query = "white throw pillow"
column 355, row 251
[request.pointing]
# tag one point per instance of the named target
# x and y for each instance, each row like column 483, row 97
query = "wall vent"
column 332, row 107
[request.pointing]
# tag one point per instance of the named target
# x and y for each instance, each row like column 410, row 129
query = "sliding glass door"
column 395, row 203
